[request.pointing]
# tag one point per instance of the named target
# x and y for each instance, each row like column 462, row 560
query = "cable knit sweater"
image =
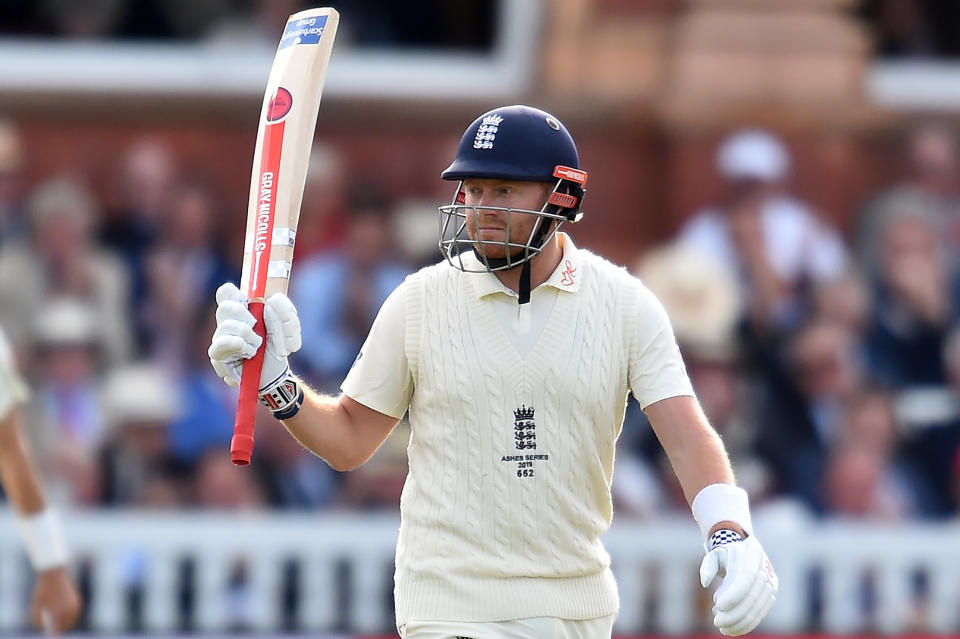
column 511, row 454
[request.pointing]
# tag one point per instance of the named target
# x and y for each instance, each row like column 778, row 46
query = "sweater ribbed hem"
column 460, row 598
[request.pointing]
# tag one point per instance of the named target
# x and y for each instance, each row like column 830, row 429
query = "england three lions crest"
column 524, row 428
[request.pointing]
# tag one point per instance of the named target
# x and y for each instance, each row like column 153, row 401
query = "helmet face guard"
column 561, row 205
column 517, row 143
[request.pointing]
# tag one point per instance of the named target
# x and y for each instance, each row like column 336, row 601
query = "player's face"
column 490, row 225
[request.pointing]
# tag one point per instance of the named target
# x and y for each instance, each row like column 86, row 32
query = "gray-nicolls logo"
column 524, row 428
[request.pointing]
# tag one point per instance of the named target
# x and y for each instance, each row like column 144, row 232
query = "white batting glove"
column 12, row 389
column 235, row 340
column 749, row 585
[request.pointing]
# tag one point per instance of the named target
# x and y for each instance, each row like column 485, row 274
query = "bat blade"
column 284, row 137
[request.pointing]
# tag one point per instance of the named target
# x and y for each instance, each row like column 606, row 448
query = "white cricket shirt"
column 514, row 418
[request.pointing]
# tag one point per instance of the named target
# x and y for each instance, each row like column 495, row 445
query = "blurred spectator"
column 323, row 212
column 132, row 226
column 183, row 270
column 929, row 178
column 915, row 296
column 774, row 242
column 934, row 443
column 208, row 406
column 869, row 424
column 147, row 174
column 137, row 466
column 845, row 301
column 60, row 258
column 801, row 407
column 12, row 219
column 699, row 293
column 338, row 293
column 222, row 485
column 291, row 476
column 868, row 479
column 415, row 216
column 855, row 487
column 65, row 413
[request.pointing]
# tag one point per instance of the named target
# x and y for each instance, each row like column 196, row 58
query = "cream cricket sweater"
column 510, row 456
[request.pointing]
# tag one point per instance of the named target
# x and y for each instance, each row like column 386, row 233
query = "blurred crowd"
column 829, row 364
column 828, row 361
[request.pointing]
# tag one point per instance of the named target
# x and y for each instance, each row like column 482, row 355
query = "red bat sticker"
column 279, row 105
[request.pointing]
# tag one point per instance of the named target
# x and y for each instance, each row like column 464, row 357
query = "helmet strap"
column 524, row 292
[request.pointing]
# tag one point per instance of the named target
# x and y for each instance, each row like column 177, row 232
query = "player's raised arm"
column 342, row 431
column 55, row 604
column 749, row 585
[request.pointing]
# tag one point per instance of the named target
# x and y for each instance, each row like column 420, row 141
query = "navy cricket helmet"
column 513, row 143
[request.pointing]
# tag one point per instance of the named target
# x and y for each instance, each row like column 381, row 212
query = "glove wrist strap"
column 721, row 537
column 283, row 396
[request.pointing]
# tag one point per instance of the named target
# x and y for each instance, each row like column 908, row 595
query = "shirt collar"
column 566, row 277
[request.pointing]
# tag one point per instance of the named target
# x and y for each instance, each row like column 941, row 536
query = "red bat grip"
column 241, row 446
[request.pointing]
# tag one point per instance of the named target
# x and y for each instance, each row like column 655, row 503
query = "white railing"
column 345, row 564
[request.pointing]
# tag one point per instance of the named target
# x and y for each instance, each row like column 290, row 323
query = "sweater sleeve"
column 656, row 367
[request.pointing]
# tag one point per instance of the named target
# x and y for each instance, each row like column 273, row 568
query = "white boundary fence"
column 345, row 565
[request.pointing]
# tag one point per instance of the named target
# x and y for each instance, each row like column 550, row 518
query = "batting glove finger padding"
column 749, row 585
column 245, row 348
column 758, row 591
column 751, row 618
column 230, row 292
column 283, row 325
column 234, row 339
column 234, row 310
column 226, row 353
column 228, row 371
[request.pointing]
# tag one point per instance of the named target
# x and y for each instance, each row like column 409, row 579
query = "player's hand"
column 56, row 603
column 235, row 340
column 748, row 589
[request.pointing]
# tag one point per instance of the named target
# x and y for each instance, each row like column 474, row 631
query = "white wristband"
column 721, row 502
column 43, row 537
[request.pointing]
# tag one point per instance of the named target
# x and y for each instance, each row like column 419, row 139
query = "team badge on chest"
column 524, row 439
column 524, row 428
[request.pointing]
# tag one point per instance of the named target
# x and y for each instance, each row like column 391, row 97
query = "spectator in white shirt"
column 774, row 242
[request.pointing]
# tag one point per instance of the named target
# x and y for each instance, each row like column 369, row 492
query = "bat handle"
column 241, row 446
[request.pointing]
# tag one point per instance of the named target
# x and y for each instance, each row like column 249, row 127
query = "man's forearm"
column 17, row 469
column 342, row 431
column 39, row 526
column 695, row 450
column 324, row 428
column 700, row 463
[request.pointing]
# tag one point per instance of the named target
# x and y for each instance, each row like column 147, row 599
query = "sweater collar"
column 566, row 277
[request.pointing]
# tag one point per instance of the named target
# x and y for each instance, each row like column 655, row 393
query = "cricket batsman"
column 55, row 604
column 514, row 356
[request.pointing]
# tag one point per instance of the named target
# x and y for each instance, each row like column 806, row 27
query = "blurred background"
column 783, row 173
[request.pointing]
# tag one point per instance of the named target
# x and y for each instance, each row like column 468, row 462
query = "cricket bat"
column 287, row 121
